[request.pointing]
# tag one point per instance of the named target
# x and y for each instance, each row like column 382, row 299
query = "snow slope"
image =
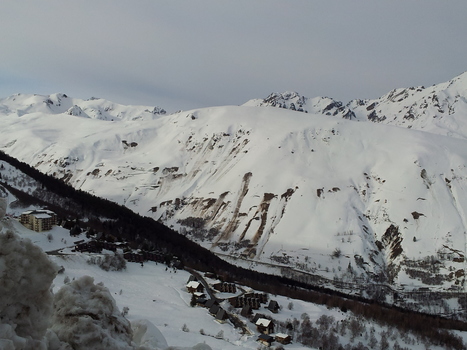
column 323, row 194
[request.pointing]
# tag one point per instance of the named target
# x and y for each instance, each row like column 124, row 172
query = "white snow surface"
column 157, row 300
column 274, row 186
column 79, row 313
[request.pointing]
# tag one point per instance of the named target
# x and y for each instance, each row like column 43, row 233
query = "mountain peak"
column 289, row 100
column 438, row 109
column 60, row 103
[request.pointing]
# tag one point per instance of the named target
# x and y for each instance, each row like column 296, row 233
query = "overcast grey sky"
column 199, row 53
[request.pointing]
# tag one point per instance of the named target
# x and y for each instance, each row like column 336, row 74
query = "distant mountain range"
column 373, row 192
column 413, row 107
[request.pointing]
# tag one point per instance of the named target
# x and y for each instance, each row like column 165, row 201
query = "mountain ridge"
column 404, row 107
column 59, row 103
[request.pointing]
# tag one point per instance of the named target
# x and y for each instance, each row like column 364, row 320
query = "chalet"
column 283, row 338
column 257, row 317
column 265, row 339
column 38, row 220
column 225, row 287
column 241, row 301
column 262, row 297
column 264, row 326
column 234, row 301
column 200, row 302
column 273, row 306
column 199, row 295
column 246, row 311
column 210, row 303
column 213, row 310
column 221, row 315
column 194, row 287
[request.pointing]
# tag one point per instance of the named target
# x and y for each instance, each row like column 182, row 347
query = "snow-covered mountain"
column 94, row 108
column 324, row 193
column 294, row 101
column 439, row 109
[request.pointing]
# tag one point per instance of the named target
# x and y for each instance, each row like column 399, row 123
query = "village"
column 217, row 296
column 224, row 301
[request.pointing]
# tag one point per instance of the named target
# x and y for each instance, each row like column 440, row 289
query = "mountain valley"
column 368, row 198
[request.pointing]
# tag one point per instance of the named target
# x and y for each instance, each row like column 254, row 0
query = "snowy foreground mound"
column 81, row 315
column 26, row 304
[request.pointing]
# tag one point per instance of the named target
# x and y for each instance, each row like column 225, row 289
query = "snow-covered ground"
column 152, row 292
column 158, row 294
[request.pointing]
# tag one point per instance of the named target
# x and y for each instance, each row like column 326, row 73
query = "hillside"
column 326, row 193
column 157, row 308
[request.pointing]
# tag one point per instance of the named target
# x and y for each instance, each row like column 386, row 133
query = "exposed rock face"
column 289, row 100
column 296, row 102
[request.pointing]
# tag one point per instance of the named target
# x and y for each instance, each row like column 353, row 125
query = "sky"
column 199, row 53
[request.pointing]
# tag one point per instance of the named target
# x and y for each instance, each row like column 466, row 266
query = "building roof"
column 246, row 310
column 273, row 306
column 211, row 302
column 282, row 335
column 263, row 322
column 214, row 309
column 221, row 314
column 266, row 338
column 38, row 211
column 41, row 216
column 193, row 284
column 201, row 301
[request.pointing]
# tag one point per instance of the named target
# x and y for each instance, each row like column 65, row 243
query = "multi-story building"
column 38, row 220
